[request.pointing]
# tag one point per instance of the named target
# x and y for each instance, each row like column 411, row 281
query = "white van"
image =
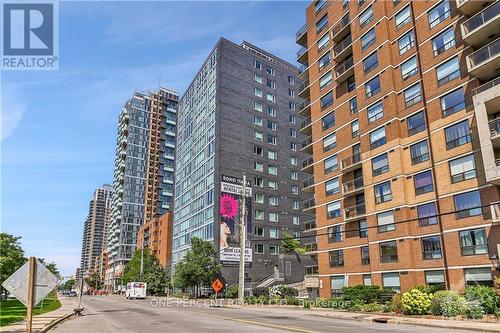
column 136, row 290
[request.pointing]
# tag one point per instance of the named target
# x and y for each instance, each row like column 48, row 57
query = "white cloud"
column 13, row 107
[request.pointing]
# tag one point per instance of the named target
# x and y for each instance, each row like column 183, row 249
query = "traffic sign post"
column 31, row 292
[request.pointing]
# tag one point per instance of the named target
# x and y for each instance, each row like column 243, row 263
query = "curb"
column 455, row 326
column 56, row 322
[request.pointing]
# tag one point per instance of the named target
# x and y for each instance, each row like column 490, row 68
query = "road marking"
column 288, row 328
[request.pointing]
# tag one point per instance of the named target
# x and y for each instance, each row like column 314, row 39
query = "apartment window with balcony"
column 319, row 5
column 363, row 229
column 444, row 41
column 294, row 160
column 367, row 279
column 463, row 168
column 271, row 154
column 259, row 182
column 323, row 41
column 416, row 123
column 257, row 78
column 370, row 62
column 258, row 248
column 468, row 204
column 351, row 83
column 427, row 214
column 366, row 17
column 375, row 112
column 406, row 42
column 272, row 169
column 292, row 119
column 271, row 139
column 271, row 84
column 271, row 98
column 259, row 214
column 272, row 185
column 403, row 17
column 355, row 128
column 377, row 138
column 333, row 210
column 336, row 258
column 325, row 80
column 258, row 135
column 258, row 151
column 257, row 106
column 439, row 13
column 383, row 192
column 326, row 100
column 257, row 64
column 332, row 186
column 453, row 102
column 423, row 182
column 380, row 164
column 473, row 242
column 388, row 253
column 258, row 231
column 322, row 23
column 335, row 234
column 435, row 279
column 257, row 92
column 273, row 201
column 331, row 164
column 365, row 255
column 431, row 248
column 270, row 71
column 328, row 121
column 271, row 112
column 457, row 135
column 353, row 105
column 412, row 95
column 324, row 61
column 259, row 198
column 409, row 68
column 330, row 142
column 368, row 39
column 257, row 120
column 391, row 280
column 372, row 87
column 385, row 221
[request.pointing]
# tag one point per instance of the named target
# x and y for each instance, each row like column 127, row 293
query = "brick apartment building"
column 156, row 235
column 401, row 98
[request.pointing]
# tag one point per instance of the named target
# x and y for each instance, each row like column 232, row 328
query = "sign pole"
column 31, row 293
column 243, row 236
column 80, row 292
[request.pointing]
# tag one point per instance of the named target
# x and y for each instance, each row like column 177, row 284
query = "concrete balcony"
column 307, row 165
column 484, row 63
column 355, row 211
column 302, row 55
column 305, row 108
column 310, row 206
column 343, row 49
column 307, row 146
column 351, row 162
column 304, row 91
column 482, row 27
column 353, row 186
column 494, row 126
column 301, row 35
column 344, row 70
column 303, row 72
column 471, row 7
column 308, row 185
column 341, row 29
column 306, row 126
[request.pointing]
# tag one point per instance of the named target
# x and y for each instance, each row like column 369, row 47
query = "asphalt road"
column 116, row 314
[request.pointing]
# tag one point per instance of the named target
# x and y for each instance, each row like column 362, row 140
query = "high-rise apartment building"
column 95, row 229
column 240, row 116
column 156, row 235
column 401, row 98
column 144, row 171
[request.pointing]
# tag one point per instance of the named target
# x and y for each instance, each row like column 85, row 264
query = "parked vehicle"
column 136, row 290
column 72, row 293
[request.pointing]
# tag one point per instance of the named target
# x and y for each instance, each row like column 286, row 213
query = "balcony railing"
column 485, row 53
column 344, row 22
column 346, row 42
column 481, row 18
column 307, row 162
column 494, row 127
column 300, row 52
column 353, row 185
column 486, row 86
column 345, row 66
column 303, row 68
column 308, row 182
column 309, row 203
column 351, row 160
column 304, row 85
column 306, row 142
column 354, row 211
column 301, row 31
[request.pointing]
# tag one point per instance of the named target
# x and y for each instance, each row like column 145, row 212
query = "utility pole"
column 243, row 239
column 142, row 258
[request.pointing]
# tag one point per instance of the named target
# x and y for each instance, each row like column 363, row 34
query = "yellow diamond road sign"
column 17, row 283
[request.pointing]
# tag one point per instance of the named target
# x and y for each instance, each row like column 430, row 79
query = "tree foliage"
column 51, row 266
column 11, row 255
column 153, row 273
column 291, row 245
column 69, row 284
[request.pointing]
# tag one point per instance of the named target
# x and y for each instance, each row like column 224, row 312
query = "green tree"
column 51, row 266
column 153, row 273
column 11, row 256
column 291, row 245
column 68, row 285
column 200, row 266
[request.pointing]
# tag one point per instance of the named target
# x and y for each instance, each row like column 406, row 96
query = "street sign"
column 18, row 283
column 217, row 285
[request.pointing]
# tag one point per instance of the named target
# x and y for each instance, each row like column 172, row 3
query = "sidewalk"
column 43, row 322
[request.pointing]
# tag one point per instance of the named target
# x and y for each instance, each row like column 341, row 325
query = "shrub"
column 474, row 310
column 289, row 292
column 389, row 306
column 260, row 291
column 251, row 299
column 290, row 300
column 416, row 302
column 232, row 291
column 372, row 307
column 366, row 294
column 307, row 304
column 448, row 303
column 484, row 295
column 358, row 307
column 263, row 299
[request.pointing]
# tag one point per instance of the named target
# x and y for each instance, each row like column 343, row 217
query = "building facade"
column 156, row 235
column 240, row 116
column 399, row 95
column 144, row 171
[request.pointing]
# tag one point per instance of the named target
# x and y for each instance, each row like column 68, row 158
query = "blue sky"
column 58, row 128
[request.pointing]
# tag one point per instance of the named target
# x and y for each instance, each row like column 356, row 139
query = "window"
column 457, row 135
column 473, row 242
column 368, row 39
column 370, row 63
column 391, row 280
column 257, row 92
column 416, row 123
column 291, row 93
column 259, row 248
column 257, row 106
column 271, row 139
column 273, row 233
column 443, row 42
column 271, row 98
column 463, row 168
column 372, row 87
column 448, row 71
column 259, row 214
column 259, row 182
column 419, row 152
column 270, row 70
column 365, row 255
column 294, row 189
column 333, row 210
column 295, row 220
column 453, row 102
column 322, row 23
column 258, row 135
column 367, row 279
column 257, row 64
column 273, row 249
column 272, row 170
column 427, row 214
column 294, row 160
column 353, row 105
column 258, row 166
column 271, row 84
column 330, row 142
column 332, row 186
column 326, row 100
column 366, row 17
column 257, row 120
column 431, row 248
column 258, row 231
column 375, row 112
column 331, row 164
column 328, row 121
column 481, row 276
column 423, row 182
column 272, row 184
column 271, row 112
column 294, row 175
column 258, row 151
column 296, row 204
column 324, row 61
column 351, row 84
column 336, row 284
column 435, row 279
column 412, row 95
column 336, row 258
column 409, row 68
column 257, row 78
column 291, row 80
column 325, row 80
column 355, row 128
column 383, row 192
column 363, row 229
column 439, row 13
column 319, row 5
column 406, row 42
column 388, row 252
column 323, row 41
column 292, row 119
column 403, row 17
column 468, row 204
column 385, row 221
column 273, row 201
column 335, row 234
column 272, row 125
column 259, row 197
column 293, row 146
column 377, row 138
column 292, row 106
column 271, row 154
column 380, row 164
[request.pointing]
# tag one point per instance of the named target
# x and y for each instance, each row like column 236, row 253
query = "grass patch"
column 12, row 310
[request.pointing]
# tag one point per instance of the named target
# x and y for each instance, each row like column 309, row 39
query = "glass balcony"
column 308, row 183
column 307, row 145
column 304, row 89
column 343, row 49
column 471, row 7
column 302, row 55
column 303, row 72
column 354, row 185
column 309, row 204
column 340, row 30
column 307, row 165
column 305, row 108
column 344, row 70
column 350, row 162
column 305, row 127
column 483, row 63
column 478, row 28
column 354, row 211
column 301, row 35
